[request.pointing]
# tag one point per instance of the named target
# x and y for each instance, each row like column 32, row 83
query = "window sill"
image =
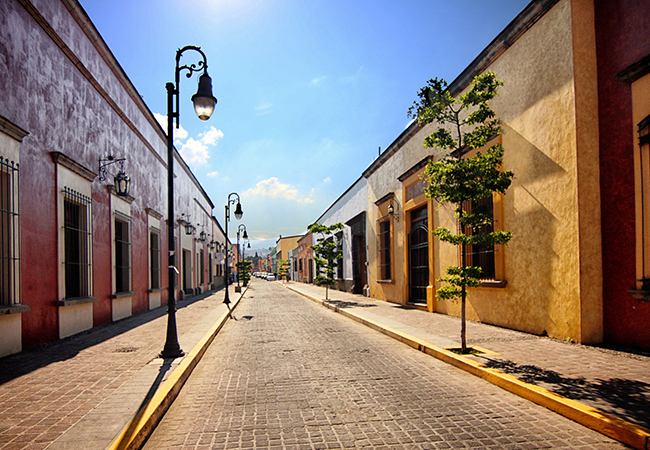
column 639, row 294
column 123, row 294
column 151, row 291
column 494, row 283
column 14, row 309
column 386, row 281
column 76, row 301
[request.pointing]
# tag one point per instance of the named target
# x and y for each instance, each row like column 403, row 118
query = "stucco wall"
column 537, row 108
column 352, row 203
column 381, row 182
column 68, row 92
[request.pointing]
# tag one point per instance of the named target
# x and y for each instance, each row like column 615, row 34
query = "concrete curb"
column 623, row 431
column 145, row 421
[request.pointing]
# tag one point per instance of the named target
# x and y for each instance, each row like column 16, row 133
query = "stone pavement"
column 289, row 374
column 82, row 392
column 607, row 390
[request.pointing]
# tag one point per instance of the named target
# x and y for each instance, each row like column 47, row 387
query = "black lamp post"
column 238, row 215
column 204, row 103
column 245, row 236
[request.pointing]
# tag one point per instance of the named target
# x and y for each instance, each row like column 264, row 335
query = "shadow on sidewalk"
column 628, row 399
column 344, row 304
column 135, row 422
column 20, row 364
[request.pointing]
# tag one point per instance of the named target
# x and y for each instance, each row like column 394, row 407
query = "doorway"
column 419, row 256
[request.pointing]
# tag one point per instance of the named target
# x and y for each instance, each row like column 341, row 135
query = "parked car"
column 270, row 277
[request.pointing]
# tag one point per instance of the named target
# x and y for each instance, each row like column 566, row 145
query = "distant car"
column 270, row 277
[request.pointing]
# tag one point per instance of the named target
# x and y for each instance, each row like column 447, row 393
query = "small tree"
column 283, row 268
column 327, row 253
column 244, row 271
column 462, row 181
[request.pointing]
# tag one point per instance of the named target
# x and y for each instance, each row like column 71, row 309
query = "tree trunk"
column 463, row 331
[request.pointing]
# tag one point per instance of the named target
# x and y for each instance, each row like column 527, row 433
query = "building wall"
column 352, row 203
column 405, row 153
column 622, row 39
column 548, row 110
column 61, row 84
column 539, row 113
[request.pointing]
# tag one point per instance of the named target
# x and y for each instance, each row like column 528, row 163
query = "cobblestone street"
column 291, row 374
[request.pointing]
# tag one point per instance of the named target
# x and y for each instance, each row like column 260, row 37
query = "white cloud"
column 327, row 180
column 263, row 108
column 273, row 188
column 212, row 174
column 195, row 152
column 211, row 137
column 179, row 133
column 317, row 80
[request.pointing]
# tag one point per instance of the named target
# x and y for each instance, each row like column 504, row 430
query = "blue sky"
column 308, row 90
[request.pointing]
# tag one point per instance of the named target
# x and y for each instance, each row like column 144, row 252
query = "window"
column 201, row 267
column 644, row 194
column 122, row 255
column 9, row 234
column 384, row 250
column 154, row 258
column 77, row 238
column 477, row 255
column 339, row 261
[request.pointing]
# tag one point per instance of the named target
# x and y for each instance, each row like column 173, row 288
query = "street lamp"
column 204, row 103
column 245, row 236
column 238, row 215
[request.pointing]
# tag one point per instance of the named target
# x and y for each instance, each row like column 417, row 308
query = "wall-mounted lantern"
column 121, row 181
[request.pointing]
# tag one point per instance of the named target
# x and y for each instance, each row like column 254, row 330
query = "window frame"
column 499, row 280
column 122, row 247
column 385, row 240
column 155, row 266
column 9, row 233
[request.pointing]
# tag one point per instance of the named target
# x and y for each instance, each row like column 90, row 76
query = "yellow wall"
column 548, row 109
column 285, row 245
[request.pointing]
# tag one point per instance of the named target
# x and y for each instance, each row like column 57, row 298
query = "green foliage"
column 327, row 252
column 464, row 123
column 244, row 269
column 283, row 268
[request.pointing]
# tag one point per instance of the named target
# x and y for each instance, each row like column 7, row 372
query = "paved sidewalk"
column 607, row 390
column 98, row 389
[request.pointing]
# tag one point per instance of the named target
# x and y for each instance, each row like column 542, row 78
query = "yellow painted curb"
column 145, row 421
column 613, row 427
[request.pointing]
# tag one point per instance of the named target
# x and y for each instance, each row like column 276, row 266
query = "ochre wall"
column 552, row 284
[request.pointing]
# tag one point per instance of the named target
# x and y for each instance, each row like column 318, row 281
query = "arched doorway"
column 419, row 256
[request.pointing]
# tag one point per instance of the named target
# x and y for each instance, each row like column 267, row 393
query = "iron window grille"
column 384, row 250
column 122, row 254
column 201, row 267
column 9, row 234
column 154, row 256
column 77, row 225
column 480, row 255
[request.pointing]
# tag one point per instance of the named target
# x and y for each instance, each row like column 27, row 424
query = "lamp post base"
column 173, row 351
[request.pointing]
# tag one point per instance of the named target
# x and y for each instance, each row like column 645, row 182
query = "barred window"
column 9, row 234
column 77, row 225
column 478, row 255
column 384, row 250
column 154, row 257
column 201, row 267
column 122, row 255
